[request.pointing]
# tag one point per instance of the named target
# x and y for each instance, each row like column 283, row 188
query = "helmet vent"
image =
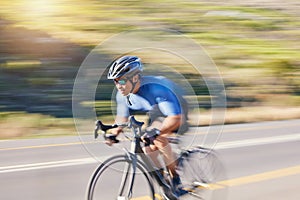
column 125, row 65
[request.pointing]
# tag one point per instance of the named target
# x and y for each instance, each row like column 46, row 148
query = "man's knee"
column 150, row 149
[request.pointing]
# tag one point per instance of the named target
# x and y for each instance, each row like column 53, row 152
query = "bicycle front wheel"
column 201, row 170
column 114, row 180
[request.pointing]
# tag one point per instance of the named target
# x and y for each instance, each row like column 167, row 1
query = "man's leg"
column 152, row 152
column 165, row 149
column 161, row 143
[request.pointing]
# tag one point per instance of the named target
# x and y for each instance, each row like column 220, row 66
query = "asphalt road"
column 261, row 160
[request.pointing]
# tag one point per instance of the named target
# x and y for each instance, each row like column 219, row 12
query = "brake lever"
column 104, row 128
column 96, row 129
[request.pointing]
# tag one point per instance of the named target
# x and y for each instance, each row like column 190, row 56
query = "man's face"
column 123, row 85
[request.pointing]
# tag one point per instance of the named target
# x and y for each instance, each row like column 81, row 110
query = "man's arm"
column 119, row 120
column 174, row 118
column 170, row 124
column 116, row 131
column 122, row 113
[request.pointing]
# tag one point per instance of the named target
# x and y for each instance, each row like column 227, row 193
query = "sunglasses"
column 121, row 81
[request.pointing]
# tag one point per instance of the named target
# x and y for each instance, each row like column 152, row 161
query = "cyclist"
column 157, row 96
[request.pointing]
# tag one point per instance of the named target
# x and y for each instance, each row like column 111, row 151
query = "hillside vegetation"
column 255, row 45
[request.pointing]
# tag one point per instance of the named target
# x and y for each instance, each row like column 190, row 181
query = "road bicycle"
column 132, row 176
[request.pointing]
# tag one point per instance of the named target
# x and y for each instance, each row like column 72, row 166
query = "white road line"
column 258, row 141
column 83, row 161
column 45, row 165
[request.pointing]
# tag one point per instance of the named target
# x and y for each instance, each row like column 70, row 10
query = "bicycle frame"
column 137, row 161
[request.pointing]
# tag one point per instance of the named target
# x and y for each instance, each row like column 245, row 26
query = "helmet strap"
column 133, row 86
column 132, row 83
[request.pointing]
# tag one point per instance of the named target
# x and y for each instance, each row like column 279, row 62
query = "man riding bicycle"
column 156, row 96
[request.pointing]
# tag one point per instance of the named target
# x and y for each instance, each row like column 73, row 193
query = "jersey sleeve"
column 122, row 108
column 167, row 102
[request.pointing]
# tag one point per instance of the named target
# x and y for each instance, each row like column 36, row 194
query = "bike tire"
column 200, row 170
column 106, row 181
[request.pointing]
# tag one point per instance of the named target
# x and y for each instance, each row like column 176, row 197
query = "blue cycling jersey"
column 154, row 90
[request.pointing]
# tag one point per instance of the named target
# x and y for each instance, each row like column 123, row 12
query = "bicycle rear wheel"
column 113, row 178
column 200, row 170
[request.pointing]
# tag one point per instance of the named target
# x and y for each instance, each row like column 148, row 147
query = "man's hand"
column 150, row 135
column 111, row 139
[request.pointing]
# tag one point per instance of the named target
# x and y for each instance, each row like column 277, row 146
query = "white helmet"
column 126, row 65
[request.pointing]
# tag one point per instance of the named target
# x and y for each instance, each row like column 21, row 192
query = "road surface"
column 261, row 160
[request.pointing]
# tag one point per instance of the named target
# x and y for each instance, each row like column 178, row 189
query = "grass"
column 249, row 114
column 26, row 125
